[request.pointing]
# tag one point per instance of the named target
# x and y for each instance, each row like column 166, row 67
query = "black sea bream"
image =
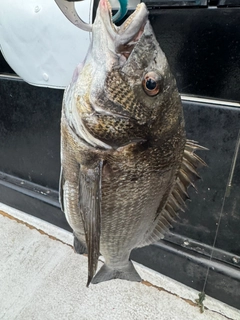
column 126, row 163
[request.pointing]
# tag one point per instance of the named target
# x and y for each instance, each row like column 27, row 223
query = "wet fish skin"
column 126, row 163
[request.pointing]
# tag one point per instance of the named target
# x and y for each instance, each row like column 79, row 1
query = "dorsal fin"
column 187, row 175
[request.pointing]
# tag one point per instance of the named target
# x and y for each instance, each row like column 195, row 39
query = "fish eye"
column 152, row 83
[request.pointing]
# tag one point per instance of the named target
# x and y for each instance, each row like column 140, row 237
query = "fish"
column 126, row 163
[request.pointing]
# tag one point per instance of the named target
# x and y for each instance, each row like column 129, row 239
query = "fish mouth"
column 127, row 35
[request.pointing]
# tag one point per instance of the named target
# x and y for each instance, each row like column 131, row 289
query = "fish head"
column 126, row 79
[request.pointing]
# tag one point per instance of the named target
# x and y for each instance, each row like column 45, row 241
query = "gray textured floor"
column 42, row 278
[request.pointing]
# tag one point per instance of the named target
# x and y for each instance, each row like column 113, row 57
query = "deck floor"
column 42, row 278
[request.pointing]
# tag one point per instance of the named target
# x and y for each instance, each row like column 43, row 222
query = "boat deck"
column 42, row 278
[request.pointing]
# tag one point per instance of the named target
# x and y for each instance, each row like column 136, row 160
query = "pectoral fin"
column 90, row 208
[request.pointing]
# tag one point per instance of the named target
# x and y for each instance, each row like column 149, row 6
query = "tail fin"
column 127, row 273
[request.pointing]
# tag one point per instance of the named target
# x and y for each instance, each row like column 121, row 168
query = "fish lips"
column 127, row 35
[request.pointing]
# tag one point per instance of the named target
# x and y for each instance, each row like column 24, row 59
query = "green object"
column 200, row 301
column 122, row 11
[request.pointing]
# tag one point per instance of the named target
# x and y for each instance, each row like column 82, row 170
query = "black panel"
column 217, row 128
column 202, row 47
column 29, row 132
column 229, row 3
column 4, row 67
column 176, row 3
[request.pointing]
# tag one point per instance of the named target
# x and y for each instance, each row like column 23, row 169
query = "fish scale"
column 119, row 92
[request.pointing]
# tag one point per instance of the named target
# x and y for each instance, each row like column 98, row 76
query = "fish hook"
column 68, row 9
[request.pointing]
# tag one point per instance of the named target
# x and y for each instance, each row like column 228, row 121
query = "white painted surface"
column 42, row 278
column 39, row 43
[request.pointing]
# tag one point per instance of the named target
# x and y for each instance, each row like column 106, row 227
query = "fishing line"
column 227, row 193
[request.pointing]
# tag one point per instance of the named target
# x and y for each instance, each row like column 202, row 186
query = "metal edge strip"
column 218, row 102
column 30, row 189
column 8, row 76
